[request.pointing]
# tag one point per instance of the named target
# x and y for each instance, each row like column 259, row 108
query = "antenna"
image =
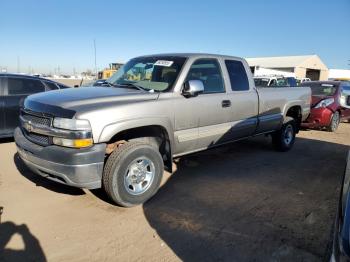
column 95, row 58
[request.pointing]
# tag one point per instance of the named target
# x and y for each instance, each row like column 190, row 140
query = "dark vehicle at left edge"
column 14, row 88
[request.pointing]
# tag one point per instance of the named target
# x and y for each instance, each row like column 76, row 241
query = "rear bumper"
column 319, row 117
column 74, row 167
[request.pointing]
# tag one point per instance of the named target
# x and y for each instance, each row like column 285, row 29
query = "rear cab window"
column 208, row 71
column 238, row 75
column 23, row 86
column 322, row 89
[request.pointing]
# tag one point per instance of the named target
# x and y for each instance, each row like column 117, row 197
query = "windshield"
column 149, row 73
column 319, row 89
column 261, row 82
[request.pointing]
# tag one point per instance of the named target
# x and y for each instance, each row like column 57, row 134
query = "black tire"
column 283, row 140
column 333, row 126
column 116, row 169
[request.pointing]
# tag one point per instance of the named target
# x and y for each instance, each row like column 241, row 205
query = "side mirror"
column 345, row 98
column 192, row 88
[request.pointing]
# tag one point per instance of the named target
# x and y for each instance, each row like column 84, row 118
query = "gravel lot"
column 242, row 202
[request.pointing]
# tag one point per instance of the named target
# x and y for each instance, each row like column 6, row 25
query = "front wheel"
column 284, row 139
column 133, row 173
column 333, row 126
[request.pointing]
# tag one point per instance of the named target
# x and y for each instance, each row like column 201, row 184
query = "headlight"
column 71, row 124
column 79, row 129
column 325, row 103
column 76, row 143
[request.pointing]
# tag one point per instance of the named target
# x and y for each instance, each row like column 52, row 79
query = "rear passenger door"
column 18, row 88
column 244, row 100
column 2, row 103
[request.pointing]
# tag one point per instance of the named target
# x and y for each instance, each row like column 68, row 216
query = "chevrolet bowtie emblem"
column 29, row 126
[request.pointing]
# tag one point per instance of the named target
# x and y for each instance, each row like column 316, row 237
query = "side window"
column 238, row 76
column 273, row 83
column 21, row 86
column 208, row 71
column 51, row 86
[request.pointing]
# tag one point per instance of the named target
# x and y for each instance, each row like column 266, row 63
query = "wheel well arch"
column 295, row 112
column 156, row 135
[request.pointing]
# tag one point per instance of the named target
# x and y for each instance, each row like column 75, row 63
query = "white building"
column 309, row 66
column 341, row 74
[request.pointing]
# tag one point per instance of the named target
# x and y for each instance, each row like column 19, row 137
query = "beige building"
column 309, row 66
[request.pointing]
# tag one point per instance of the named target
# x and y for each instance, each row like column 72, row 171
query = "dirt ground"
column 241, row 202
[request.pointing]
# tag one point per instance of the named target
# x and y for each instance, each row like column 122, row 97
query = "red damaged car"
column 330, row 104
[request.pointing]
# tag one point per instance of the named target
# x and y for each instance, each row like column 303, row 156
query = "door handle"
column 226, row 103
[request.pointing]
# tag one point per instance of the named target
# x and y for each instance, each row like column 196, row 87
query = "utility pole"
column 95, row 58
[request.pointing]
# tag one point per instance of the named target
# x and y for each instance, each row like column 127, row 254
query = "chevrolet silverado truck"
column 155, row 108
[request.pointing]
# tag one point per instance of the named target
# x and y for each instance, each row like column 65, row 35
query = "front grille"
column 36, row 120
column 38, row 139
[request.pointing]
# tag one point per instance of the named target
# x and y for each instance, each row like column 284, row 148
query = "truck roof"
column 194, row 55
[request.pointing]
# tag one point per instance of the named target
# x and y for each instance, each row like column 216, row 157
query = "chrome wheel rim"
column 139, row 176
column 288, row 134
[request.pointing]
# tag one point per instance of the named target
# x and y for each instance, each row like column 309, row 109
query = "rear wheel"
column 333, row 126
column 133, row 173
column 283, row 140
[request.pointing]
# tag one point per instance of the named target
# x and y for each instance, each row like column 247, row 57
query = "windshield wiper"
column 111, row 84
column 134, row 85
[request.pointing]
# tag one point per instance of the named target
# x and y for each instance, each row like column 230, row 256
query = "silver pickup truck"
column 155, row 108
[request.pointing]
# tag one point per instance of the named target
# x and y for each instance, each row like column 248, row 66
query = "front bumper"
column 319, row 117
column 74, row 167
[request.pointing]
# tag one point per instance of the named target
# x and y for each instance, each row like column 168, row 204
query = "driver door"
column 203, row 121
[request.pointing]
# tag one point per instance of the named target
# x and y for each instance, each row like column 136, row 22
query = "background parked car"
column 330, row 104
column 13, row 89
column 274, row 81
column 302, row 80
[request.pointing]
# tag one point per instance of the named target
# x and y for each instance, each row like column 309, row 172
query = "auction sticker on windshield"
column 163, row 63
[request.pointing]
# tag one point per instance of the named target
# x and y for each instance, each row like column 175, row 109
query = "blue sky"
column 47, row 34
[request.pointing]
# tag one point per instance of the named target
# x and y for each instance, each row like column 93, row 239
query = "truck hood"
column 66, row 102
